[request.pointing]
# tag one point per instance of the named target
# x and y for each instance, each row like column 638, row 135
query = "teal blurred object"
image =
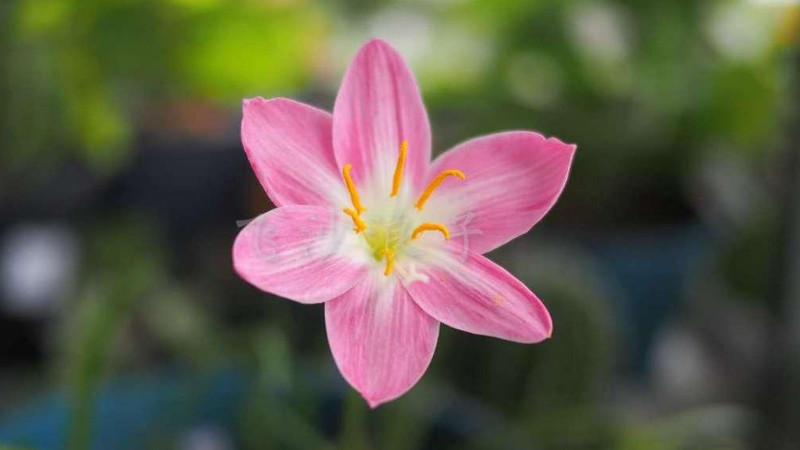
column 652, row 268
column 157, row 410
column 134, row 413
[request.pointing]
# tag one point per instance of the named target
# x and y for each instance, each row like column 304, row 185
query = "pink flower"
column 390, row 241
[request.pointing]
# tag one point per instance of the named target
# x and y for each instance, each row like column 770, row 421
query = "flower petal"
column 289, row 146
column 513, row 179
column 468, row 292
column 299, row 252
column 381, row 340
column 378, row 107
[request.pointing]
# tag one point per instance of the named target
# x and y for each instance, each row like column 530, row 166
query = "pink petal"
column 298, row 252
column 469, row 292
column 378, row 107
column 513, row 179
column 381, row 340
column 289, row 146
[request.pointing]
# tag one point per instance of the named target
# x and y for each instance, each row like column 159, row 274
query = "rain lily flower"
column 391, row 242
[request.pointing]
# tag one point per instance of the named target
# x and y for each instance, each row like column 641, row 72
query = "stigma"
column 387, row 234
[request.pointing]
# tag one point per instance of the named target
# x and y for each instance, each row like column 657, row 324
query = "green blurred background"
column 670, row 263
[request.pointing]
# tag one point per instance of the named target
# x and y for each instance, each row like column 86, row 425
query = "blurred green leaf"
column 125, row 266
column 249, row 49
column 268, row 419
column 8, row 447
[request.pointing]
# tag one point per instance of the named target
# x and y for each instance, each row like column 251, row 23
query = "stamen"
column 429, row 226
column 435, row 184
column 351, row 187
column 360, row 225
column 398, row 170
column 389, row 253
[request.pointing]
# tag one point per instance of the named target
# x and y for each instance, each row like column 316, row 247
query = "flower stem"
column 90, row 347
column 354, row 423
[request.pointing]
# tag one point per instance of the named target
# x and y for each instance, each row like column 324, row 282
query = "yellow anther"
column 389, row 254
column 429, row 226
column 435, row 184
column 351, row 187
column 360, row 225
column 398, row 170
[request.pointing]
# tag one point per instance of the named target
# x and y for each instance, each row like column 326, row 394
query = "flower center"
column 386, row 237
column 388, row 232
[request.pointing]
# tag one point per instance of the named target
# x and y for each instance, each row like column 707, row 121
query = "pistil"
column 389, row 254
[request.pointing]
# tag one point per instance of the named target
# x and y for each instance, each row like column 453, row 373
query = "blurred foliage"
column 89, row 71
column 80, row 77
column 114, row 286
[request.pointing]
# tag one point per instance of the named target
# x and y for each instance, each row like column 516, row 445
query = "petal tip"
column 377, row 43
column 261, row 101
column 373, row 404
column 248, row 101
column 379, row 48
column 571, row 148
column 558, row 142
column 548, row 320
column 374, row 401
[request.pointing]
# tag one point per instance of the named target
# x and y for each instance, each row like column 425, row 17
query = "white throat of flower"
column 388, row 228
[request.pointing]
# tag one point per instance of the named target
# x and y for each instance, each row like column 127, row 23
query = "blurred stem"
column 89, row 350
column 780, row 417
column 268, row 420
column 403, row 427
column 269, row 423
column 125, row 265
column 354, row 423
